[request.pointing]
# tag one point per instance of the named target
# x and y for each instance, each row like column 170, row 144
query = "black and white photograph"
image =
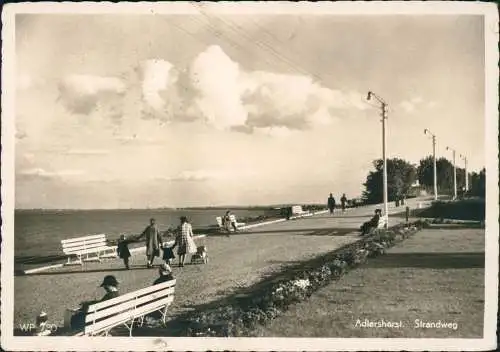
column 249, row 176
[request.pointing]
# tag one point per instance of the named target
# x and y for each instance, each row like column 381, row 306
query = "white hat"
column 165, row 269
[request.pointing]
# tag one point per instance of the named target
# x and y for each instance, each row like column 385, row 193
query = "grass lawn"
column 436, row 275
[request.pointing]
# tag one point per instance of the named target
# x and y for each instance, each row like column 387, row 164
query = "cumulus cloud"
column 412, row 105
column 195, row 176
column 42, row 173
column 217, row 80
column 82, row 93
column 156, row 78
column 213, row 88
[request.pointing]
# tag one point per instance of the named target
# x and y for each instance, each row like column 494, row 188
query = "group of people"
column 183, row 241
column 153, row 239
column 229, row 222
column 331, row 203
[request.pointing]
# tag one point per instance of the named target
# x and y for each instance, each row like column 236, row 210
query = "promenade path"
column 237, row 261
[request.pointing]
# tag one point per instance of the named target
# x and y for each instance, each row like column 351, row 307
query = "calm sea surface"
column 39, row 233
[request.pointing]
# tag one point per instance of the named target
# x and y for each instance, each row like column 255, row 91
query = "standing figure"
column 343, row 202
column 153, row 241
column 123, row 251
column 168, row 254
column 184, row 241
column 229, row 223
column 331, row 204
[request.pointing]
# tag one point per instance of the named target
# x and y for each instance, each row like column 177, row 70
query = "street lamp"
column 454, row 173
column 426, row 131
column 384, row 117
column 466, row 174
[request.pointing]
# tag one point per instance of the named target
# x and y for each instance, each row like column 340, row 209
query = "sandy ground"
column 436, row 275
column 236, row 261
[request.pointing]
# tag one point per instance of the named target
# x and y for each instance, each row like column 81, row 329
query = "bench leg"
column 164, row 314
column 130, row 327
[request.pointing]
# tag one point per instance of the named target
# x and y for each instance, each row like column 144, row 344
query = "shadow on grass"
column 21, row 273
column 43, row 259
column 446, row 260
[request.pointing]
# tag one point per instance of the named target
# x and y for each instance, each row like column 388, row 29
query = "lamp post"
column 466, row 173
column 426, row 131
column 383, row 107
column 454, row 173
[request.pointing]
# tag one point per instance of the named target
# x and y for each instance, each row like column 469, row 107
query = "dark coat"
column 122, row 249
column 153, row 240
column 168, row 253
column 78, row 319
column 163, row 278
column 331, row 202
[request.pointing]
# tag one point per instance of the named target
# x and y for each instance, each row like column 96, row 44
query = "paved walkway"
column 436, row 275
column 236, row 261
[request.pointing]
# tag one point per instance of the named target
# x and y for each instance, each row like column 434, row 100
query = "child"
column 168, row 254
column 123, row 251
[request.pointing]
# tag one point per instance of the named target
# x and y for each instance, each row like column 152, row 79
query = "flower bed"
column 244, row 311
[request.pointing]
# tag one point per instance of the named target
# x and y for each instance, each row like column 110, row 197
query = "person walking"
column 123, row 251
column 184, row 241
column 153, row 241
column 343, row 202
column 331, row 204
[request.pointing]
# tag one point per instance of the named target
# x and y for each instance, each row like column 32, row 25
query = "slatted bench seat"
column 127, row 309
column 87, row 248
column 298, row 212
column 232, row 218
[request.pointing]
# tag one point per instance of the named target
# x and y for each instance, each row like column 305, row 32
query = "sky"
column 136, row 111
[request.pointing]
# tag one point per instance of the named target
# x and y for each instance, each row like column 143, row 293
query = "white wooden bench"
column 87, row 248
column 298, row 212
column 128, row 308
column 232, row 218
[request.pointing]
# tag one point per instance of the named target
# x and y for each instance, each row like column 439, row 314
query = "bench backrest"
column 113, row 312
column 219, row 221
column 297, row 209
column 78, row 244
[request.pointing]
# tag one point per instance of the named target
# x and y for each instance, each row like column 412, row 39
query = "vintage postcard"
column 253, row 176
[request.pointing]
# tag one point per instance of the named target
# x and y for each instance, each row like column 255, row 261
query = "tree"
column 400, row 176
column 477, row 183
column 444, row 170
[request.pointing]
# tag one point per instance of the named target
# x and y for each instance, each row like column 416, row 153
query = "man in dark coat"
column 110, row 284
column 153, row 241
column 343, row 202
column 331, row 203
column 372, row 224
